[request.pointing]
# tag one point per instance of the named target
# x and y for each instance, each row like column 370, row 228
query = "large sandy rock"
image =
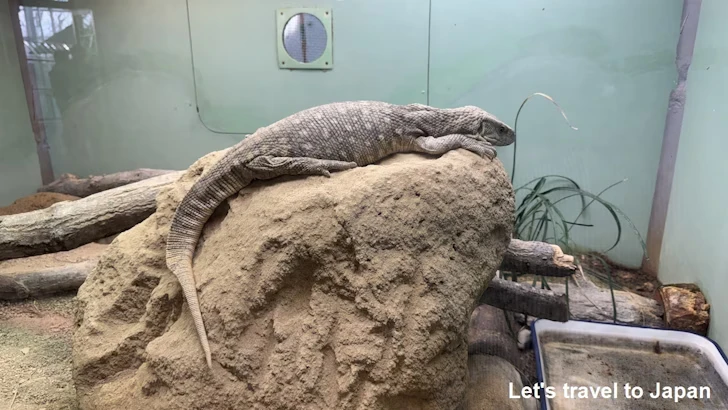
column 352, row 292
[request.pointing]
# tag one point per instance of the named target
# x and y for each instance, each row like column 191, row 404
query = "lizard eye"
column 502, row 129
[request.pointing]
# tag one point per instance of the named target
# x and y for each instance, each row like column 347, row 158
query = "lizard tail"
column 189, row 219
column 182, row 268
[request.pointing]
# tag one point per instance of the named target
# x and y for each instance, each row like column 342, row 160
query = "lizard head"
column 489, row 128
column 469, row 120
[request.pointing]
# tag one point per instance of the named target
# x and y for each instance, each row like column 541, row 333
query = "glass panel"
column 57, row 43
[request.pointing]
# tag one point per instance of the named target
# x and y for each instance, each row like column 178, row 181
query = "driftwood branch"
column 524, row 298
column 537, row 258
column 45, row 282
column 67, row 225
column 83, row 187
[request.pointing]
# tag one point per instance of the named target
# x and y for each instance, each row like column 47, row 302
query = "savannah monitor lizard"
column 317, row 141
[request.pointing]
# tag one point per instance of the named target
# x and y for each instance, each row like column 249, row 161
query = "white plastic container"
column 583, row 365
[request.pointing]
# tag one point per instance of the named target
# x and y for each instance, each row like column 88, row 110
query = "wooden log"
column 592, row 303
column 586, row 302
column 537, row 258
column 68, row 225
column 45, row 282
column 523, row 298
column 72, row 185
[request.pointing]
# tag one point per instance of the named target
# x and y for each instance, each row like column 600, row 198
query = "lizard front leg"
column 441, row 145
column 270, row 167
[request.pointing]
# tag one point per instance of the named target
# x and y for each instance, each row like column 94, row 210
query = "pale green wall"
column 610, row 63
column 140, row 110
column 380, row 53
column 143, row 113
column 696, row 232
column 19, row 170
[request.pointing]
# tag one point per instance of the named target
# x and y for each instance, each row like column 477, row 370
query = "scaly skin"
column 317, row 141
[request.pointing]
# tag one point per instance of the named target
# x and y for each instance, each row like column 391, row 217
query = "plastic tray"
column 597, row 356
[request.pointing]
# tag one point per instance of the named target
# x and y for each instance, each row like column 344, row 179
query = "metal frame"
column 49, row 4
column 39, row 133
column 285, row 61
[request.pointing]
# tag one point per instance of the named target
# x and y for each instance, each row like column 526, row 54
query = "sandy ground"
column 35, row 336
column 35, row 354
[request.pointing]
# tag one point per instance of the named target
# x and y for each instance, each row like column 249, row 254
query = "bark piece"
column 686, row 308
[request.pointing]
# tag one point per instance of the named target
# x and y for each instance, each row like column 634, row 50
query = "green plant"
column 540, row 213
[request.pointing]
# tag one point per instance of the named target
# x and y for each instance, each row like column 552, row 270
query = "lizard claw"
column 490, row 154
column 326, row 173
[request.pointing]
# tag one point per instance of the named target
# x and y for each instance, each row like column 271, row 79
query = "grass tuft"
column 540, row 215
